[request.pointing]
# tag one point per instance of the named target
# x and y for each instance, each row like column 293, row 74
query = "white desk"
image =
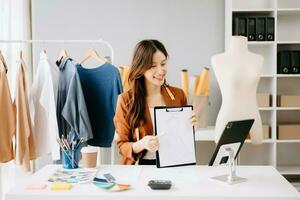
column 190, row 182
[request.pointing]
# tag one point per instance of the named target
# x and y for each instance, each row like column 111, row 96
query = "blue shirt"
column 71, row 110
column 101, row 87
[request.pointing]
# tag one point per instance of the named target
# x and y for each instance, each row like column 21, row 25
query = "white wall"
column 192, row 30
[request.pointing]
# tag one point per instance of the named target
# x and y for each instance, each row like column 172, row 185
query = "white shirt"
column 43, row 108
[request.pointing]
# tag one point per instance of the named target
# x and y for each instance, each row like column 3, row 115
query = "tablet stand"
column 230, row 178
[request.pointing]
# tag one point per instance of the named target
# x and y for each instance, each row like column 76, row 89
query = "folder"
column 251, row 28
column 270, row 28
column 295, row 62
column 260, row 28
column 176, row 136
column 240, row 26
column 283, row 62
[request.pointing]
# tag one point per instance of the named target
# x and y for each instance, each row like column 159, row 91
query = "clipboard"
column 176, row 136
column 233, row 136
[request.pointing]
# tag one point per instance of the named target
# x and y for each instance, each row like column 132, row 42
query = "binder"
column 270, row 28
column 295, row 62
column 260, row 28
column 240, row 26
column 251, row 28
column 283, row 62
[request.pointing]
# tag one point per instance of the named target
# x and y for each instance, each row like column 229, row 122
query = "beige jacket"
column 25, row 146
column 7, row 116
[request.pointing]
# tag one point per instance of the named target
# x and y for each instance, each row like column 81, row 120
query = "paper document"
column 176, row 136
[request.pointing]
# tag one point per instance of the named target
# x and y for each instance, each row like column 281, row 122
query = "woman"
column 134, row 113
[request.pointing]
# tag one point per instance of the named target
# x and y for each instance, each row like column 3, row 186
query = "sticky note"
column 61, row 186
column 36, row 186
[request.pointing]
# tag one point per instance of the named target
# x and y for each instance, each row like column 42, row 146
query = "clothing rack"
column 65, row 41
column 100, row 41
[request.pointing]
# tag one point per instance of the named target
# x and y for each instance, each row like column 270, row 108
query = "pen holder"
column 200, row 105
column 70, row 159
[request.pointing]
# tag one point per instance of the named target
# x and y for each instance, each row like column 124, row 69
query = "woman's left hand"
column 193, row 119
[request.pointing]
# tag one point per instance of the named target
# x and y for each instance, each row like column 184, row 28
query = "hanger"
column 92, row 53
column 62, row 54
column 22, row 63
column 44, row 50
column 21, row 55
column 2, row 62
column 108, row 59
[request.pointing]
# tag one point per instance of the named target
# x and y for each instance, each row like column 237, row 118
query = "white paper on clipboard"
column 176, row 136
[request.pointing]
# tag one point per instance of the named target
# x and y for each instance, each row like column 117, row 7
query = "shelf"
column 265, row 108
column 208, row 134
column 288, row 169
column 287, row 108
column 261, row 42
column 265, row 141
column 281, row 153
column 288, row 42
column 288, row 141
column 288, row 75
column 259, row 10
column 288, row 11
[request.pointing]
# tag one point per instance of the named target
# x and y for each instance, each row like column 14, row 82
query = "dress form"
column 238, row 72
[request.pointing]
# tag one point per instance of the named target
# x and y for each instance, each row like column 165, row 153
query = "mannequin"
column 238, row 73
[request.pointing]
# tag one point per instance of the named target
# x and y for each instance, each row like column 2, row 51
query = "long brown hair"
column 141, row 62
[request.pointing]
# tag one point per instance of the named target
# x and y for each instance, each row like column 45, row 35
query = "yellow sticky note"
column 61, row 186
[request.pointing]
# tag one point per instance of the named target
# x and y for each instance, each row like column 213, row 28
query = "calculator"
column 109, row 177
column 160, row 184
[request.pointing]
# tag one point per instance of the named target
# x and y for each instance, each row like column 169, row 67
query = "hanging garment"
column 7, row 117
column 25, row 144
column 101, row 87
column 124, row 72
column 44, row 109
column 71, row 108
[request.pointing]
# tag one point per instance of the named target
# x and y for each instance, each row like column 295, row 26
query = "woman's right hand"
column 148, row 142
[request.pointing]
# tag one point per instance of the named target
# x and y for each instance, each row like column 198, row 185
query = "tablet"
column 233, row 136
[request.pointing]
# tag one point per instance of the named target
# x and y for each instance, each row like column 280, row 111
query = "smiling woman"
column 134, row 114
